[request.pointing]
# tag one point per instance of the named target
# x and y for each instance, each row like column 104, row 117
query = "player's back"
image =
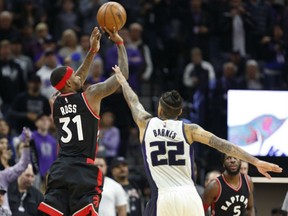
column 76, row 124
column 168, row 158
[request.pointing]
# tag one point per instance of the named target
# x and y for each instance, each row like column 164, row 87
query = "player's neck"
column 233, row 179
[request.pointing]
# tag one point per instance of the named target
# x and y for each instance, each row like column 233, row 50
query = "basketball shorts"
column 74, row 187
column 180, row 201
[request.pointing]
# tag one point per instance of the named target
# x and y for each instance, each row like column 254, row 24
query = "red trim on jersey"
column 66, row 94
column 248, row 183
column 213, row 209
column 206, row 207
column 60, row 85
column 89, row 161
column 238, row 187
column 86, row 210
column 219, row 191
column 49, row 209
column 99, row 182
column 88, row 106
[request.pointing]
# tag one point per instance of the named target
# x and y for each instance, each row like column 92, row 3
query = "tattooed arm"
column 95, row 93
column 196, row 133
column 83, row 70
column 140, row 115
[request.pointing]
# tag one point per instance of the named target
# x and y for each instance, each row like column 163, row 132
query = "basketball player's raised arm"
column 103, row 89
column 83, row 70
column 140, row 115
column 198, row 134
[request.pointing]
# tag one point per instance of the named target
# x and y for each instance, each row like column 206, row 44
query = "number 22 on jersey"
column 172, row 149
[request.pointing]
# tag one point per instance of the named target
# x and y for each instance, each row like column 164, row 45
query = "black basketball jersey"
column 230, row 201
column 76, row 124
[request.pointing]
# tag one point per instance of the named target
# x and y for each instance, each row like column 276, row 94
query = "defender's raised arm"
column 198, row 134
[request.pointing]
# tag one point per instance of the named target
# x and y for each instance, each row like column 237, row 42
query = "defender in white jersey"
column 166, row 148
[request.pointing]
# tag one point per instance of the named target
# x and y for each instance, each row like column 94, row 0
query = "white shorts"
column 179, row 201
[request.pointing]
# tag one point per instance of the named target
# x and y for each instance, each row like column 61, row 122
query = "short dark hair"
column 171, row 102
column 57, row 75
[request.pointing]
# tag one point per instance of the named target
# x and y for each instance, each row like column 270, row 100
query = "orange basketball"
column 111, row 14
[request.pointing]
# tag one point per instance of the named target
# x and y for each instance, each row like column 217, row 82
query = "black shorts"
column 74, row 187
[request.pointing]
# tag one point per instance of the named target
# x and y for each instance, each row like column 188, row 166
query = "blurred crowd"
column 202, row 48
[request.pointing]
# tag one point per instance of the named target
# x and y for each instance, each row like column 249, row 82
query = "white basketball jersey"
column 168, row 158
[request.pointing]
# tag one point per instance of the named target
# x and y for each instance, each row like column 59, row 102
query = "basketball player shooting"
column 168, row 157
column 74, row 184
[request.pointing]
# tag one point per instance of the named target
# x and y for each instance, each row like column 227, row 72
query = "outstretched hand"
column 95, row 39
column 113, row 35
column 119, row 76
column 26, row 135
column 265, row 167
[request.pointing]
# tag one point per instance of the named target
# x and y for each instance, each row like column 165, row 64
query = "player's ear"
column 68, row 83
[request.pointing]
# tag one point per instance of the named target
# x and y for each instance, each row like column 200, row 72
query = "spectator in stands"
column 49, row 44
column 236, row 25
column 24, row 61
column 88, row 9
column 274, row 53
column 46, row 148
column 23, row 197
column 253, row 79
column 30, row 13
column 50, row 62
column 239, row 62
column 35, row 47
column 11, row 76
column 5, row 131
column 27, row 106
column 6, row 160
column 199, row 78
column 69, row 44
column 10, row 174
column 96, row 72
column 66, row 18
column 113, row 201
column 109, row 135
column 4, row 211
column 196, row 26
column 244, row 167
column 136, row 41
column 120, row 172
column 262, row 14
column 76, row 58
column 7, row 30
column 219, row 97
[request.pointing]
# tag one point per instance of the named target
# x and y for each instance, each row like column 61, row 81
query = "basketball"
column 111, row 14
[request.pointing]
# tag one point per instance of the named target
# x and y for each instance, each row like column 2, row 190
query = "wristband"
column 92, row 50
column 119, row 42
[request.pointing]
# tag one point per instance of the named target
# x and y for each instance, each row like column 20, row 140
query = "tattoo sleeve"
column 139, row 114
column 123, row 60
column 231, row 149
column 83, row 70
column 110, row 85
column 222, row 145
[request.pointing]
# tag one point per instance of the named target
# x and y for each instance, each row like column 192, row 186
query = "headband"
column 167, row 105
column 60, row 85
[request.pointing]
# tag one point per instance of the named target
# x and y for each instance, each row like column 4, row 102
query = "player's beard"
column 232, row 172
